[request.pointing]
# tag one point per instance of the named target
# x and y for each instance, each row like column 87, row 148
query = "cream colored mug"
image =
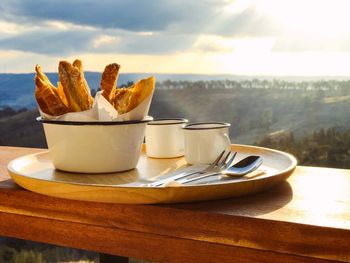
column 205, row 141
column 165, row 138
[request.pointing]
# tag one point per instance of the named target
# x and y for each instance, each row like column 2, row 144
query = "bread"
column 121, row 100
column 50, row 100
column 78, row 64
column 126, row 99
column 74, row 86
column 73, row 93
column 109, row 80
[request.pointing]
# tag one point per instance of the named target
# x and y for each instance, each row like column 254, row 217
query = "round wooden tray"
column 36, row 173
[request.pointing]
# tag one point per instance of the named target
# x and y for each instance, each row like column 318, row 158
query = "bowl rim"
column 107, row 123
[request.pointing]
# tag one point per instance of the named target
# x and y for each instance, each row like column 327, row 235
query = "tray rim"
column 288, row 169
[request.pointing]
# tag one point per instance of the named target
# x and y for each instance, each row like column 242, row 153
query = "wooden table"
column 306, row 219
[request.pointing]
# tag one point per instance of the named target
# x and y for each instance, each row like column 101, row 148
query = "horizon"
column 240, row 76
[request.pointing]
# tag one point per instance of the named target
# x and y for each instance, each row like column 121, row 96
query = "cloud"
column 128, row 26
column 132, row 15
column 180, row 16
column 248, row 23
column 48, row 42
column 65, row 27
column 60, row 42
column 211, row 43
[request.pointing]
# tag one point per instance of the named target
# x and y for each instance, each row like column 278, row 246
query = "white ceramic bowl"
column 94, row 147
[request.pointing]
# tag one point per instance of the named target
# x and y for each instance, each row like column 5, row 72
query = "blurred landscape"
column 306, row 117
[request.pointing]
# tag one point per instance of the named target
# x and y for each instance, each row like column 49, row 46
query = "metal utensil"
column 243, row 167
column 185, row 173
column 219, row 164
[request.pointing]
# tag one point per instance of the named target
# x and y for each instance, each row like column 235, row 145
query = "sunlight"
column 312, row 35
column 321, row 199
column 285, row 63
column 254, row 45
column 212, row 43
column 248, row 45
column 238, row 6
column 327, row 17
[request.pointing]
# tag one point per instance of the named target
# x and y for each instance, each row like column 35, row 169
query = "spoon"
column 243, row 167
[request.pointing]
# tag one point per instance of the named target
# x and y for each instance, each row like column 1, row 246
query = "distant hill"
column 21, row 129
column 325, row 147
column 252, row 112
column 16, row 90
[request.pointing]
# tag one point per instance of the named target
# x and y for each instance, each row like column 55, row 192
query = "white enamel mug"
column 205, row 141
column 165, row 138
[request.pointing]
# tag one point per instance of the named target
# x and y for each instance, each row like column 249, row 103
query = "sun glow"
column 322, row 17
column 311, row 38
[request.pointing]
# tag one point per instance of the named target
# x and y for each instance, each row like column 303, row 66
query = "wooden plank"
column 283, row 219
column 134, row 244
column 247, row 232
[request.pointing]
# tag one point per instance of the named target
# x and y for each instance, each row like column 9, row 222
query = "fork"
column 218, row 165
column 243, row 167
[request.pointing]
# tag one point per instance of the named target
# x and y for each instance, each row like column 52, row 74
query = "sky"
column 242, row 37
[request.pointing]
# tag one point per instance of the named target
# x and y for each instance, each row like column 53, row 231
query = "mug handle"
column 226, row 140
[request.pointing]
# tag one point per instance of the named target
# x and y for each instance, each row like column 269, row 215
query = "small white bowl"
column 94, row 147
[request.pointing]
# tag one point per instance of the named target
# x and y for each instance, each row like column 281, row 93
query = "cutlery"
column 218, row 165
column 243, row 167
